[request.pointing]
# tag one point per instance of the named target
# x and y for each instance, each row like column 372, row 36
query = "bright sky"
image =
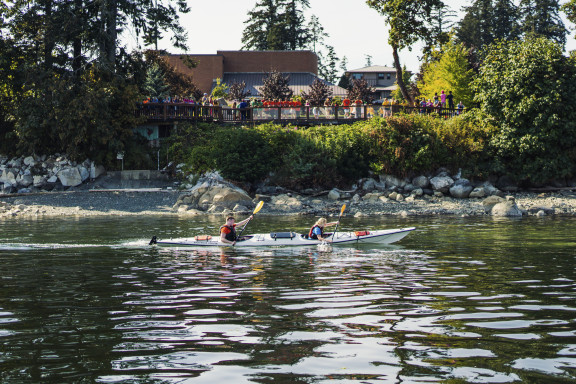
column 355, row 29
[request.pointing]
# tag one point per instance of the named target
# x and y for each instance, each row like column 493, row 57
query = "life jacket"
column 230, row 236
column 312, row 235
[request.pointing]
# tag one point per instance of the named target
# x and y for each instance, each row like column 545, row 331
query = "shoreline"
column 125, row 202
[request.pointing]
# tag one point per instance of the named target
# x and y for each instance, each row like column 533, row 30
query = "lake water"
column 460, row 300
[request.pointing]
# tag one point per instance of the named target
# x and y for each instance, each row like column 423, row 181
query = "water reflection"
column 469, row 305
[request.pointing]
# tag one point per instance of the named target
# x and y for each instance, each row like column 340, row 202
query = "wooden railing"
column 166, row 112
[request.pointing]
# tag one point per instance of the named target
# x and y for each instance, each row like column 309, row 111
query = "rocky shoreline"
column 48, row 189
column 162, row 202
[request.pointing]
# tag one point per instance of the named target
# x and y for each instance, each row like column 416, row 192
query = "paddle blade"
column 258, row 207
column 342, row 210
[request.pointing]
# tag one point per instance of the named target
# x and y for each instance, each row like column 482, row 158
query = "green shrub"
column 238, row 154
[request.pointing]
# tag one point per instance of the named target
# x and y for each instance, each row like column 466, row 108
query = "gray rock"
column 441, row 183
column 418, row 192
column 70, row 177
column 392, row 181
column 478, row 192
column 461, row 189
column 334, row 195
column 490, row 202
column 25, row 181
column 421, row 182
column 506, row 208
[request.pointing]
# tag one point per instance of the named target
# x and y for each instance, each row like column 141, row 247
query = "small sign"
column 120, row 156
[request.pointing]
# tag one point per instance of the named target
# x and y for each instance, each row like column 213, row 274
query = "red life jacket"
column 230, row 236
column 312, row 235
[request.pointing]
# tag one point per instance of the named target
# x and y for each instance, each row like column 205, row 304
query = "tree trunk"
column 399, row 78
column 48, row 36
column 108, row 33
column 77, row 41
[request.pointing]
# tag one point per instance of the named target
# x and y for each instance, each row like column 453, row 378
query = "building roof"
column 299, row 82
column 374, row 68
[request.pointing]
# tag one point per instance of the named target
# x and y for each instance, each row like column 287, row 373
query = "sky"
column 355, row 30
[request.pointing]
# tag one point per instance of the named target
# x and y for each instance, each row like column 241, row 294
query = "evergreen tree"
column 327, row 65
column 475, row 29
column 542, row 18
column 155, row 84
column 344, row 81
column 276, row 25
column 505, row 20
column 327, row 59
column 293, row 19
column 440, row 24
column 275, row 86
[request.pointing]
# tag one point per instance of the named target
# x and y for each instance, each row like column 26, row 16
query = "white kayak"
column 276, row 239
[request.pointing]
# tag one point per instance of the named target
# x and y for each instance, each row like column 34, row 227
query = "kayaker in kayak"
column 228, row 230
column 317, row 230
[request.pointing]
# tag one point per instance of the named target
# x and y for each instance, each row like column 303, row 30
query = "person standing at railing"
column 460, row 108
column 327, row 104
column 386, row 105
column 358, row 112
column 450, row 98
column 443, row 98
column 346, row 104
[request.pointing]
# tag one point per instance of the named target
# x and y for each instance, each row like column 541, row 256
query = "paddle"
column 256, row 210
column 338, row 222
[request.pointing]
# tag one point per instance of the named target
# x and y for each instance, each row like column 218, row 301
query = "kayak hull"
column 284, row 239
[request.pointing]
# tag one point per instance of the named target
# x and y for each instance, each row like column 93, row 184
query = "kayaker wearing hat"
column 317, row 230
column 228, row 230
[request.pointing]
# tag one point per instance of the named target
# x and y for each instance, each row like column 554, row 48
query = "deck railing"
column 167, row 112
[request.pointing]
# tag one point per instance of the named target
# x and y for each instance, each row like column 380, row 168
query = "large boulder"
column 461, row 189
column 442, row 183
column 507, row 208
column 70, row 177
column 491, row 201
column 421, row 182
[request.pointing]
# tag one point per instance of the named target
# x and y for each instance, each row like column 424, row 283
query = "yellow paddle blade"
column 258, row 207
column 342, row 210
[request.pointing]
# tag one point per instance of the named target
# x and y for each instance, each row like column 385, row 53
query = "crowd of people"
column 442, row 103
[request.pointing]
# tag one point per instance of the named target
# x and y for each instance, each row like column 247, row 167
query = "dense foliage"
column 337, row 155
column 68, row 85
column 529, row 90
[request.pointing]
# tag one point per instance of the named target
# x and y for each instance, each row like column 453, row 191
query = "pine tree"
column 155, row 84
column 542, row 18
column 505, row 20
column 440, row 24
column 327, row 67
column 276, row 25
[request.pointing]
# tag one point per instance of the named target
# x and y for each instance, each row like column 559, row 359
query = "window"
column 380, row 76
column 357, row 76
column 388, row 76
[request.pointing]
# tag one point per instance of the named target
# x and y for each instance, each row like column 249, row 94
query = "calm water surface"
column 461, row 300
